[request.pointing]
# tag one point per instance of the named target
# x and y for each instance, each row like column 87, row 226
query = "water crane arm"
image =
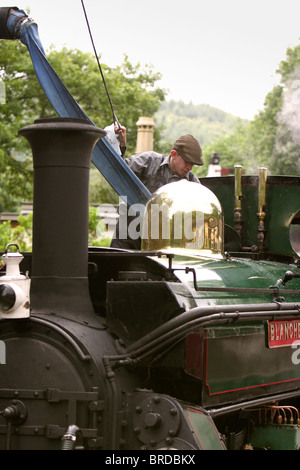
column 105, row 158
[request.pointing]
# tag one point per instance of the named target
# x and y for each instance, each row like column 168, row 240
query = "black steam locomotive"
column 191, row 343
column 172, row 347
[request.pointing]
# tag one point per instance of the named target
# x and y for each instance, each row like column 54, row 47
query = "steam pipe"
column 4, row 14
column 177, row 328
column 166, row 336
column 171, row 337
column 199, row 316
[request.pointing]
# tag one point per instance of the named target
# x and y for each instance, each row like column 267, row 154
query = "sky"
column 224, row 53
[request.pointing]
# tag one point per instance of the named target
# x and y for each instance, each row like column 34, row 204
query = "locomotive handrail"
column 244, row 290
column 248, row 404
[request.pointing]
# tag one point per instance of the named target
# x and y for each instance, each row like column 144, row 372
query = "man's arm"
column 121, row 133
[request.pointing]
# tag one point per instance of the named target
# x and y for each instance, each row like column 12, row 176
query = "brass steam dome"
column 184, row 216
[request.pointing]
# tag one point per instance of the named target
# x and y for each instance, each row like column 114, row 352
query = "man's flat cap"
column 189, row 148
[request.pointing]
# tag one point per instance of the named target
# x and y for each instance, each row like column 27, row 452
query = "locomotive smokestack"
column 61, row 151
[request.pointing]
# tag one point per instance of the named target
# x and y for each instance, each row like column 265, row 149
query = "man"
column 155, row 171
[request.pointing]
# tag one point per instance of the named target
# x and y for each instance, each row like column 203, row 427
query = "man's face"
column 178, row 165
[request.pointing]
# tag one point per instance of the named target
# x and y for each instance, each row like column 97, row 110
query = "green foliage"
column 22, row 233
column 272, row 138
column 252, row 143
column 15, row 168
column 97, row 235
column 285, row 158
column 288, row 66
column 204, row 122
column 100, row 189
column 233, row 149
column 133, row 91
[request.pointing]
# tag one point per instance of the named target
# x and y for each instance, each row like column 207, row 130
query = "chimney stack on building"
column 145, row 134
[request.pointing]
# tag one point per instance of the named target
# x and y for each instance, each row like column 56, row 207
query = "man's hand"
column 121, row 133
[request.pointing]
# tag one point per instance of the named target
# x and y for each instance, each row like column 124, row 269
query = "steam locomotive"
column 188, row 344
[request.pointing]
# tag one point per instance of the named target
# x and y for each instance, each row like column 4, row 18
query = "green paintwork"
column 282, row 203
column 234, row 272
column 284, row 437
column 204, row 428
column 235, row 363
column 238, row 359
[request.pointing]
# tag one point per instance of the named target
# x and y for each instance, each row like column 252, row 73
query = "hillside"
column 203, row 121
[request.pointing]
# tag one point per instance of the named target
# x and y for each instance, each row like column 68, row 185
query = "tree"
column 133, row 91
column 236, row 148
column 272, row 138
column 17, row 76
column 286, row 155
column 22, row 233
column 204, row 122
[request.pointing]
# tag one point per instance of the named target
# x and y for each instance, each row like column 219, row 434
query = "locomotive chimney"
column 61, row 149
